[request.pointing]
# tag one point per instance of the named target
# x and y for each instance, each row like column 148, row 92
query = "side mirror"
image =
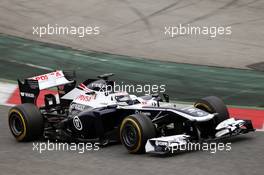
column 166, row 97
column 155, row 95
column 157, row 98
column 90, row 93
column 112, row 106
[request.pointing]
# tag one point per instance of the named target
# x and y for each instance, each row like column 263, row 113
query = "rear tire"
column 212, row 105
column 135, row 130
column 25, row 122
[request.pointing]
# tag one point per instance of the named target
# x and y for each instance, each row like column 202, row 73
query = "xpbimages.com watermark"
column 212, row 147
column 211, row 31
column 131, row 88
column 80, row 148
column 78, row 31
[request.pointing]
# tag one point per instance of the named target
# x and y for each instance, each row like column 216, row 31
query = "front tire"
column 135, row 130
column 212, row 105
column 25, row 122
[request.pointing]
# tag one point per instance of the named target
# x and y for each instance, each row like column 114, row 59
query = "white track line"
column 32, row 65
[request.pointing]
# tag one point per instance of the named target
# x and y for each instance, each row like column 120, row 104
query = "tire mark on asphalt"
column 162, row 10
column 246, row 44
column 25, row 8
column 146, row 17
column 13, row 11
column 139, row 14
column 248, row 3
column 8, row 27
column 183, row 6
column 212, row 13
column 251, row 7
column 158, row 12
column 202, row 17
column 244, row 21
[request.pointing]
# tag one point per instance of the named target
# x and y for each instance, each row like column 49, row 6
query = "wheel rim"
column 16, row 124
column 204, row 107
column 130, row 135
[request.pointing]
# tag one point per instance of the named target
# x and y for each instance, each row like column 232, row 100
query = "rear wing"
column 31, row 87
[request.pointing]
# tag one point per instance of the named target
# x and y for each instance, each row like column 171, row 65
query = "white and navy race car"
column 93, row 112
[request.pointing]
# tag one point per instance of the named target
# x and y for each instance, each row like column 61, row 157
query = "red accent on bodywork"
column 15, row 97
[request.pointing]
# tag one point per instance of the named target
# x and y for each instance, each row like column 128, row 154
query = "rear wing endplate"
column 31, row 87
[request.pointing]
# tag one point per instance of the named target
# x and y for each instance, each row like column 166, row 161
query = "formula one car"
column 93, row 112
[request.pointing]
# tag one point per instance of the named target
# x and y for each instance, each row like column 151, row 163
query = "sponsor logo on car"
column 77, row 123
column 25, row 94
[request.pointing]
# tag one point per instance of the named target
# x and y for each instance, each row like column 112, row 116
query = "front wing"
column 226, row 129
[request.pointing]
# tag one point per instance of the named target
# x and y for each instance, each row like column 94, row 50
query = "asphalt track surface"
column 245, row 157
column 136, row 27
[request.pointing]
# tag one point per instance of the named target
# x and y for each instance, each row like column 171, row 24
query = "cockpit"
column 125, row 99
